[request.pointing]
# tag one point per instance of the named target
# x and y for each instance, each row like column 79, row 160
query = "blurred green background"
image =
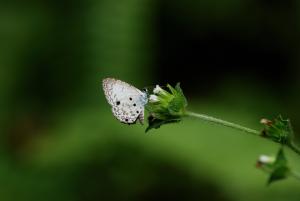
column 235, row 59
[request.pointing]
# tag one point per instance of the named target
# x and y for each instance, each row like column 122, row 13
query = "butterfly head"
column 145, row 90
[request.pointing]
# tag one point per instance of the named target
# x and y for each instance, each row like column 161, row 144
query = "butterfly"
column 127, row 102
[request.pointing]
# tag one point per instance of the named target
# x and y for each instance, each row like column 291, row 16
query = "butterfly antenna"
column 148, row 89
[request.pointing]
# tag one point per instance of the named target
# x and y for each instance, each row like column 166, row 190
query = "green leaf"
column 278, row 174
column 157, row 123
column 280, row 159
column 280, row 169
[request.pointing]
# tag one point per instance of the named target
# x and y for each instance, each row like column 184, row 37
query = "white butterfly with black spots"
column 127, row 102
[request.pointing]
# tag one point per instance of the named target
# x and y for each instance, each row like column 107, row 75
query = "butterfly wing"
column 127, row 101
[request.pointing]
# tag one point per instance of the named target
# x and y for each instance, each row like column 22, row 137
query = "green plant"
column 169, row 106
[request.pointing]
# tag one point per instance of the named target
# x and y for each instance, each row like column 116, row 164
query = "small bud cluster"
column 165, row 106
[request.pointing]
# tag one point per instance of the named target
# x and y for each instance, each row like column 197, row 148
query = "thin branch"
column 223, row 123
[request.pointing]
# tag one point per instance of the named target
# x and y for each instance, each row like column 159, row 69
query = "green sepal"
column 178, row 103
column 279, row 130
column 181, row 95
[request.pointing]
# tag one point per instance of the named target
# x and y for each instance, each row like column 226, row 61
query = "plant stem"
column 222, row 122
column 294, row 147
column 214, row 120
column 296, row 175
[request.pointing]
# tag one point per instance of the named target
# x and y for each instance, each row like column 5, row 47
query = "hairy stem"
column 296, row 175
column 294, row 147
column 214, row 120
column 223, row 123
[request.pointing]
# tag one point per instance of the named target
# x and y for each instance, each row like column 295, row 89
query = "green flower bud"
column 165, row 106
column 278, row 130
column 264, row 159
